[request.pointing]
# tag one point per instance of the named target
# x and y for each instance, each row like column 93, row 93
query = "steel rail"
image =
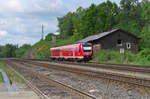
column 89, row 73
column 124, row 67
column 92, row 74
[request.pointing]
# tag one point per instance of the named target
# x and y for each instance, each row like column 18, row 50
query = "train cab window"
column 87, row 47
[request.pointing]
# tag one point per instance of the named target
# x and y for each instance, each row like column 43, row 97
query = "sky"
column 21, row 20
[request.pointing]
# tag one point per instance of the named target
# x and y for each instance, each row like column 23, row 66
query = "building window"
column 119, row 42
column 128, row 45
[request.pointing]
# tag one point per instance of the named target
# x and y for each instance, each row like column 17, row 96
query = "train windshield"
column 87, row 47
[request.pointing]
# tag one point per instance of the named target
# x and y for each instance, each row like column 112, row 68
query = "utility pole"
column 42, row 32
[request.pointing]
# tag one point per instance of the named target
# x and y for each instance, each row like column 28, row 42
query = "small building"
column 53, row 38
column 116, row 39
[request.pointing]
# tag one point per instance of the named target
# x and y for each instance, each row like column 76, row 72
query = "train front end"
column 87, row 51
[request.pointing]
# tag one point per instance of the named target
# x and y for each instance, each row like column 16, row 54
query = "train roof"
column 72, row 45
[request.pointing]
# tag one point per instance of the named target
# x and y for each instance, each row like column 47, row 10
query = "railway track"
column 94, row 72
column 89, row 72
column 80, row 94
column 123, row 67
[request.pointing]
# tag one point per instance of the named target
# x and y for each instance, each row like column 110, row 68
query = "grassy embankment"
column 10, row 73
column 108, row 56
column 105, row 56
column 1, row 78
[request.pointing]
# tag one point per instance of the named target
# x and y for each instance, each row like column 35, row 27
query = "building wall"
column 97, row 47
column 54, row 38
column 112, row 41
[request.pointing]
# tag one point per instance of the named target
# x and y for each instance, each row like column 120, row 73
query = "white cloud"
column 15, row 4
column 3, row 33
column 18, row 40
column 26, row 6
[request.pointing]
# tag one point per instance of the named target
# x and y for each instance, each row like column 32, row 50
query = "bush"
column 145, row 53
column 22, row 50
column 109, row 56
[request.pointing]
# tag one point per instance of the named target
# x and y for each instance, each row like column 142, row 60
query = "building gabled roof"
column 101, row 35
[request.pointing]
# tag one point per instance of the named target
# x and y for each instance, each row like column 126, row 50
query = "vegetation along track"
column 26, row 71
column 93, row 71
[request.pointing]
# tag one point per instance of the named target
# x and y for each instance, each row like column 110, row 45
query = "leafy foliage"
column 8, row 50
column 108, row 56
column 20, row 51
column 49, row 37
column 145, row 54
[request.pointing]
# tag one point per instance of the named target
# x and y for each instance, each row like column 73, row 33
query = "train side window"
column 76, row 49
column 70, row 50
column 66, row 50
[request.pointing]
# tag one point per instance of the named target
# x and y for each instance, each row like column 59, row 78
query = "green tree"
column 98, row 18
column 130, row 18
column 21, row 51
column 88, row 21
column 49, row 37
column 66, row 25
column 106, row 16
column 77, row 34
column 9, row 50
column 145, row 34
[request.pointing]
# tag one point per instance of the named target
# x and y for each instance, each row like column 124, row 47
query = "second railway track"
column 124, row 67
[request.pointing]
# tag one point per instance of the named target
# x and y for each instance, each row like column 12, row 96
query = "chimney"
column 109, row 27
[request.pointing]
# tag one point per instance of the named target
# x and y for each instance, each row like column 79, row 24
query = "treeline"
column 131, row 15
column 10, row 50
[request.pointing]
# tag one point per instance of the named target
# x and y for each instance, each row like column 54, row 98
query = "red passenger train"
column 79, row 52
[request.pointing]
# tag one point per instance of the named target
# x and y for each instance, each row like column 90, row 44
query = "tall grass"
column 10, row 73
column 109, row 56
column 1, row 78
